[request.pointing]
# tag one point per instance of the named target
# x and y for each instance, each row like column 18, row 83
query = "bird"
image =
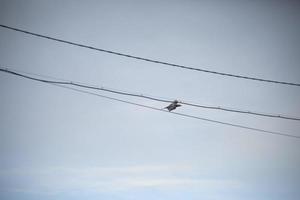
column 173, row 106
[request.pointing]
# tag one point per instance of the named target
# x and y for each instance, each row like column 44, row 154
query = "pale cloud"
column 111, row 179
column 176, row 183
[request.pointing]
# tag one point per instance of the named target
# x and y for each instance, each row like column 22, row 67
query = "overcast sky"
column 60, row 144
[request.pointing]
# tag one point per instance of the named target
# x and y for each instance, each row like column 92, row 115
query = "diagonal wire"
column 65, row 82
column 262, row 131
column 82, row 85
column 150, row 60
column 65, row 85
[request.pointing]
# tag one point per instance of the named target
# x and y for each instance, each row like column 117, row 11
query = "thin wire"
column 66, row 82
column 243, row 111
column 262, row 131
column 150, row 60
column 64, row 85
column 81, row 85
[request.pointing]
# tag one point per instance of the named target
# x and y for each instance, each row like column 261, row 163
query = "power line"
column 150, row 60
column 64, row 85
column 81, row 85
column 244, row 112
column 262, row 131
column 65, row 82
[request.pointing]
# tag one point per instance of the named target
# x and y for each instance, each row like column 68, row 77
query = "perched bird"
column 173, row 106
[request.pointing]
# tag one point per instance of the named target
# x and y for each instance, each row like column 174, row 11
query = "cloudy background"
column 60, row 144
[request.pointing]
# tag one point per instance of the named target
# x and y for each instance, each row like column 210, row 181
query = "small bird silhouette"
column 173, row 106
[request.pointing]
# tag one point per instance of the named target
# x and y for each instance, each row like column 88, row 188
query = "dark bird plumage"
column 173, row 106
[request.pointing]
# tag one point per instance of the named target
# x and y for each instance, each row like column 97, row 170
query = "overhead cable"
column 257, row 130
column 149, row 59
column 64, row 82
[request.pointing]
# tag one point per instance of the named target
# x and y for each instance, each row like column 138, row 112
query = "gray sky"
column 59, row 144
